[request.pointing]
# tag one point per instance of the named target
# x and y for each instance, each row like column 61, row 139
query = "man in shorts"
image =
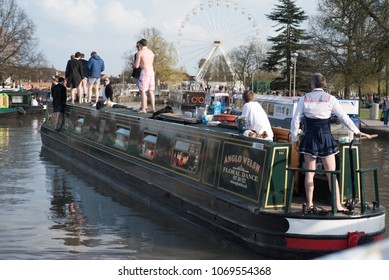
column 95, row 66
column 145, row 60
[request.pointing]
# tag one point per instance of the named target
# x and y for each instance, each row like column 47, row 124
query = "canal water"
column 46, row 212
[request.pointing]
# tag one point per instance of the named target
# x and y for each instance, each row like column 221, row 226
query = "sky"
column 112, row 27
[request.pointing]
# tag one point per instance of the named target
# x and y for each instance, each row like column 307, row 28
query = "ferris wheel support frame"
column 204, row 67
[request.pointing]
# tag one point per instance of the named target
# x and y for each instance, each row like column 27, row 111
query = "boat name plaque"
column 242, row 170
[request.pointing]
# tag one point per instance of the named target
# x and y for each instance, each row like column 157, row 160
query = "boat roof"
column 273, row 98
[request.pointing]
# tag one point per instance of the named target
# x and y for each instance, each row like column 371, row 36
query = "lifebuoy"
column 193, row 99
column 201, row 99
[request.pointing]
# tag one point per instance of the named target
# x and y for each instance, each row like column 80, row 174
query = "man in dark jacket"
column 74, row 75
column 95, row 66
column 59, row 102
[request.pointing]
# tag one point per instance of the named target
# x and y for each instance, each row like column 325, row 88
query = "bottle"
column 242, row 124
column 217, row 109
column 344, row 139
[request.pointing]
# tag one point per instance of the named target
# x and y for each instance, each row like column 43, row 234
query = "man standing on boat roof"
column 74, row 74
column 59, row 101
column 145, row 60
column 318, row 142
column 96, row 67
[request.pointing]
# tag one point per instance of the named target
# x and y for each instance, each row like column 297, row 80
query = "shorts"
column 93, row 81
column 146, row 80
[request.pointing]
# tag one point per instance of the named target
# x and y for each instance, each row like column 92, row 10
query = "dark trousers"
column 386, row 116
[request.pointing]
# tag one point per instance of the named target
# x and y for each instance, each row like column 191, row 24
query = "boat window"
column 270, row 109
column 17, row 99
column 149, row 143
column 264, row 106
column 79, row 124
column 186, row 155
column 122, row 137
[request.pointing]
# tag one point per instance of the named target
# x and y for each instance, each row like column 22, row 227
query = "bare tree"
column 18, row 45
column 246, row 61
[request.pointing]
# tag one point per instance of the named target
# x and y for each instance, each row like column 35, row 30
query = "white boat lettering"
column 252, row 164
column 233, row 158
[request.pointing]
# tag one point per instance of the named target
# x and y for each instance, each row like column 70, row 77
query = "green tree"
column 289, row 40
column 349, row 43
column 165, row 57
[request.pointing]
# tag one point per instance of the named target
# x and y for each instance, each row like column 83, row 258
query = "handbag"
column 136, row 73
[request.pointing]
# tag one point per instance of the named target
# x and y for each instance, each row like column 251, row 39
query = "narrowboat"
column 9, row 113
column 5, row 111
column 24, row 99
column 245, row 188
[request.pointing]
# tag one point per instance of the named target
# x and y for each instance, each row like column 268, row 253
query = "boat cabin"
column 280, row 109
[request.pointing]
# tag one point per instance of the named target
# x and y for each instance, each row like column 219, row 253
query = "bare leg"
column 152, row 100
column 329, row 163
column 85, row 88
column 97, row 92
column 90, row 93
column 79, row 91
column 56, row 114
column 310, row 163
column 73, row 95
column 143, row 101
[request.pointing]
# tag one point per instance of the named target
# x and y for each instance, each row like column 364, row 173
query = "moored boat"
column 242, row 187
column 23, row 99
column 9, row 113
column 186, row 98
column 5, row 111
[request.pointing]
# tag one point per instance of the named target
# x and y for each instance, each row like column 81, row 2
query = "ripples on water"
column 46, row 212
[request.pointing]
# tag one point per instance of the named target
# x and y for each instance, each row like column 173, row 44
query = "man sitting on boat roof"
column 256, row 117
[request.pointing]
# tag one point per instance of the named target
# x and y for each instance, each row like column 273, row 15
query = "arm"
column 295, row 123
column 343, row 117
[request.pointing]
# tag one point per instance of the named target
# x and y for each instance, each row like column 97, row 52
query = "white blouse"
column 319, row 104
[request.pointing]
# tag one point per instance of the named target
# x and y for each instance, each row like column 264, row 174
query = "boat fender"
column 21, row 110
column 201, row 100
column 193, row 99
column 358, row 238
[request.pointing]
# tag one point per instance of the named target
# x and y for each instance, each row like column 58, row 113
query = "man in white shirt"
column 256, row 117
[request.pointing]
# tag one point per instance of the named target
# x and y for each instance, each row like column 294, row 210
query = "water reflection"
column 120, row 227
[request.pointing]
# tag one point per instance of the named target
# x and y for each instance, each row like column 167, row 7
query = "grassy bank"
column 364, row 113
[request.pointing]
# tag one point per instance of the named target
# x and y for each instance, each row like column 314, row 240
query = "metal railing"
column 361, row 173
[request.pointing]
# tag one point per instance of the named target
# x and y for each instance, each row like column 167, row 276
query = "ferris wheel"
column 213, row 28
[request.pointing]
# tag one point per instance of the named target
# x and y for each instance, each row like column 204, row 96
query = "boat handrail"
column 292, row 170
column 361, row 173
